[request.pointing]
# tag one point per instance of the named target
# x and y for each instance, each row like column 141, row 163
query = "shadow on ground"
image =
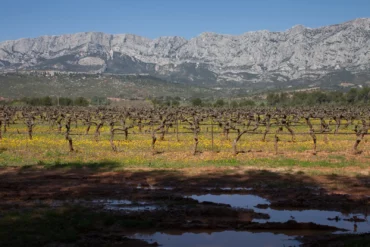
column 98, row 179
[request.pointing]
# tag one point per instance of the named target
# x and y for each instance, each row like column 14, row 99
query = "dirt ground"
column 24, row 188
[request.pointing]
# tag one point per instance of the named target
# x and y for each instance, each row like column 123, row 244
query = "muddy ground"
column 161, row 200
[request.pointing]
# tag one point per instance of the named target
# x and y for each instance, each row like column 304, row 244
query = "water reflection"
column 125, row 205
column 219, row 239
column 315, row 216
column 235, row 200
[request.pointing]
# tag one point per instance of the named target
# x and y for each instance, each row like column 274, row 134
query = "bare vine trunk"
column 154, row 139
column 337, row 125
column 313, row 136
column 266, row 131
column 360, row 133
column 114, row 148
column 196, row 141
column 277, row 139
column 68, row 138
column 235, row 142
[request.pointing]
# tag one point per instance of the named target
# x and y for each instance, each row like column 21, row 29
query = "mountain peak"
column 297, row 29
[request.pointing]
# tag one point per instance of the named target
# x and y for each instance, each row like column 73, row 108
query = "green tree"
column 175, row 103
column 81, row 101
column 100, row 101
column 337, row 97
column 219, row 103
column 46, row 101
column 351, row 96
column 234, row 104
column 196, row 102
column 65, row 101
column 247, row 102
column 321, row 98
column 273, row 99
column 363, row 94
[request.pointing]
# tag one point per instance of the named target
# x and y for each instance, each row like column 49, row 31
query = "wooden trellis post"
column 212, row 133
column 177, row 128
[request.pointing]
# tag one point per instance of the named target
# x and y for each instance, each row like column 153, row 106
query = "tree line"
column 353, row 97
column 53, row 101
column 198, row 102
column 58, row 101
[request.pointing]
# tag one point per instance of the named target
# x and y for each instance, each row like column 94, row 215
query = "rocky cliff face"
column 262, row 56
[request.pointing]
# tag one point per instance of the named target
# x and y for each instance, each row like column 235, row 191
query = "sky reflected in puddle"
column 219, row 239
column 315, row 216
column 235, row 200
column 125, row 205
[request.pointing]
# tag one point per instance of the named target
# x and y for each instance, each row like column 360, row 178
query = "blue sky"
column 154, row 18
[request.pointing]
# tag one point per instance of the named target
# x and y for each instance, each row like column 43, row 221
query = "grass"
column 160, row 163
column 49, row 149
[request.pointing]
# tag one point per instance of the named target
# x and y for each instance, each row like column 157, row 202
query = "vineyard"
column 179, row 174
column 188, row 131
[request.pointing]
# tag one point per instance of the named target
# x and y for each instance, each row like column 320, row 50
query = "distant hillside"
column 36, row 84
column 15, row 85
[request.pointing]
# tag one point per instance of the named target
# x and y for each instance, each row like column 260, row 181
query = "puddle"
column 125, row 205
column 113, row 202
column 228, row 188
column 237, row 188
column 219, row 239
column 112, row 205
column 315, row 216
column 318, row 217
column 235, row 200
column 132, row 208
column 151, row 187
